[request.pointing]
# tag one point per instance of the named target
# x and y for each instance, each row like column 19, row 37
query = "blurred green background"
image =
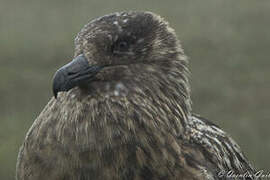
column 228, row 43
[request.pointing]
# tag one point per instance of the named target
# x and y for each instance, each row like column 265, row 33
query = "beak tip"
column 56, row 84
column 55, row 92
column 55, row 95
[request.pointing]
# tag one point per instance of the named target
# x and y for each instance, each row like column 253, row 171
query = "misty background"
column 227, row 41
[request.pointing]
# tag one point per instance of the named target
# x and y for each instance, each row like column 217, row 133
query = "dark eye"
column 123, row 46
column 120, row 47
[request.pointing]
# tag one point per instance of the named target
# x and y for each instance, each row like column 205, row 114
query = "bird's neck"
column 120, row 110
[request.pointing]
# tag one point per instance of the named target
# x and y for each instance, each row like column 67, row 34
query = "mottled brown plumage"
column 133, row 119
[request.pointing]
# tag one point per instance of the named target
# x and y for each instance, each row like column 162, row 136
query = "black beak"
column 73, row 74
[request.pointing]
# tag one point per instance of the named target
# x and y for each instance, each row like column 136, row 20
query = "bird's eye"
column 123, row 45
column 120, row 47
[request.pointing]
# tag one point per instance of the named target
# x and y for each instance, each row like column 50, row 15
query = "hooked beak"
column 74, row 74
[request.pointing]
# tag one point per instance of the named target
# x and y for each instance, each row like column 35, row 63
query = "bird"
column 122, row 111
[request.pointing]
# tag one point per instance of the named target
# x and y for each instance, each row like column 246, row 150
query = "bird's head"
column 124, row 50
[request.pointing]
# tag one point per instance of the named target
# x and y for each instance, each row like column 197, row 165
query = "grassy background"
column 228, row 43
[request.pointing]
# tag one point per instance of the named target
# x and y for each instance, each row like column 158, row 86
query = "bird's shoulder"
column 217, row 146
